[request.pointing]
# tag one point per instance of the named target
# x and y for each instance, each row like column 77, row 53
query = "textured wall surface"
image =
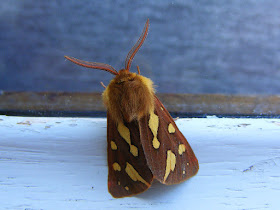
column 192, row 47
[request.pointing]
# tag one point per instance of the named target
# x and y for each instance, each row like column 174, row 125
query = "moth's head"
column 129, row 96
column 130, row 81
column 125, row 77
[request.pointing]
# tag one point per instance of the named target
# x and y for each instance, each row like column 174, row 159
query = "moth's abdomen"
column 129, row 96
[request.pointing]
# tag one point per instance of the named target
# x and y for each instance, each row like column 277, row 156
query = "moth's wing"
column 168, row 154
column 129, row 173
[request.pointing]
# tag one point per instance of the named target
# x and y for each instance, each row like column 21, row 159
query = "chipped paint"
column 243, row 125
column 24, row 123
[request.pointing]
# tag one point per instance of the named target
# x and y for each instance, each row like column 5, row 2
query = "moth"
column 143, row 141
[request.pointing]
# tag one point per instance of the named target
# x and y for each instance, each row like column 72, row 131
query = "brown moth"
column 143, row 140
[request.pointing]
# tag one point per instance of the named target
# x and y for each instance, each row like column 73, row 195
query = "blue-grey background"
column 193, row 46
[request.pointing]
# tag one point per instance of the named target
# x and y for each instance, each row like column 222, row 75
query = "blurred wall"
column 202, row 46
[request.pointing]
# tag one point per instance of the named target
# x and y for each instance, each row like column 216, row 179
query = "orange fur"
column 129, row 96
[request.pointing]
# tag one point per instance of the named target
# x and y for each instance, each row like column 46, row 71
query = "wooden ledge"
column 188, row 104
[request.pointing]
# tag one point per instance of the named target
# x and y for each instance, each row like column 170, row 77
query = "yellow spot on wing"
column 134, row 175
column 125, row 134
column 171, row 128
column 170, row 163
column 113, row 145
column 181, row 149
column 134, row 150
column 154, row 125
column 156, row 143
column 127, row 188
column 116, row 167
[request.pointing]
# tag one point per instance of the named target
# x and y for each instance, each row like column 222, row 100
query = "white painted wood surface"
column 60, row 163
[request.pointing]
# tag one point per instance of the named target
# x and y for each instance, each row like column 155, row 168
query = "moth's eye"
column 130, row 79
column 120, row 82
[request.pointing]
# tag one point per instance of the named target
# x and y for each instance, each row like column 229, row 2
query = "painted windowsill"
column 60, row 163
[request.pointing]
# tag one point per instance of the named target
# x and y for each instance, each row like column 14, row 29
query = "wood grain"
column 189, row 104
